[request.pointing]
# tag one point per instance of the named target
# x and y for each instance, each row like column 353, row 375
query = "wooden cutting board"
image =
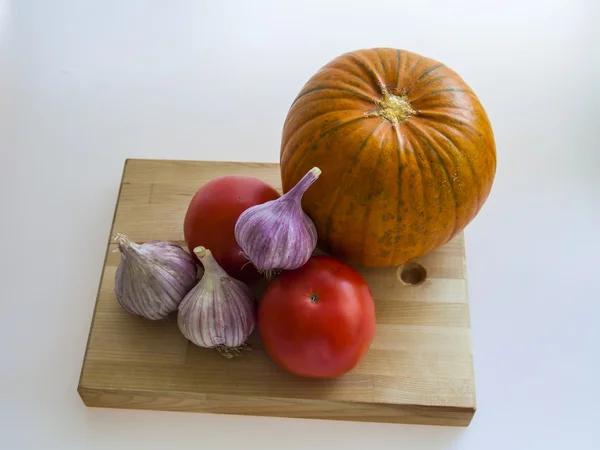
column 419, row 368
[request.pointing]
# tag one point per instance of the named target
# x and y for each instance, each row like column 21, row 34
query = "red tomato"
column 319, row 320
column 211, row 218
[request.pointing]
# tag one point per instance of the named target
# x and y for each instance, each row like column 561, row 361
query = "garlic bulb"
column 219, row 311
column 278, row 234
column 152, row 278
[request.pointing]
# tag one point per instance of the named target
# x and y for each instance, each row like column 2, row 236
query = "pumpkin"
column 406, row 150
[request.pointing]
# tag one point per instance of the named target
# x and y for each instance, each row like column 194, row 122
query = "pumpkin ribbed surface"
column 406, row 149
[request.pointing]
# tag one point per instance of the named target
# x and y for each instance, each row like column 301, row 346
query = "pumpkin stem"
column 394, row 108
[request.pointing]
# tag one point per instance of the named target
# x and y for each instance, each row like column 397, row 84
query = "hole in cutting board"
column 412, row 273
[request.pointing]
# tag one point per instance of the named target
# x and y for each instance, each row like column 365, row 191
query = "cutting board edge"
column 277, row 407
column 106, row 253
column 200, row 161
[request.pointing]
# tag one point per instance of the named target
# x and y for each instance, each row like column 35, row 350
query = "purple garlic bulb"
column 152, row 278
column 219, row 312
column 278, row 235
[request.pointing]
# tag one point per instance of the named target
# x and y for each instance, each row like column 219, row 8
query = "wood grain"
column 419, row 368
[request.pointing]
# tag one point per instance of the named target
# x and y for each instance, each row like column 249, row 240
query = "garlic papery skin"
column 278, row 234
column 152, row 278
column 219, row 311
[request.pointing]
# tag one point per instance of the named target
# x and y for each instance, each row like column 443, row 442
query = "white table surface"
column 86, row 84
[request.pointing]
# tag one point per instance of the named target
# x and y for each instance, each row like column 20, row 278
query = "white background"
column 86, row 84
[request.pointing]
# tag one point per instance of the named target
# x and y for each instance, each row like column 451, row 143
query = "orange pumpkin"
column 406, row 149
